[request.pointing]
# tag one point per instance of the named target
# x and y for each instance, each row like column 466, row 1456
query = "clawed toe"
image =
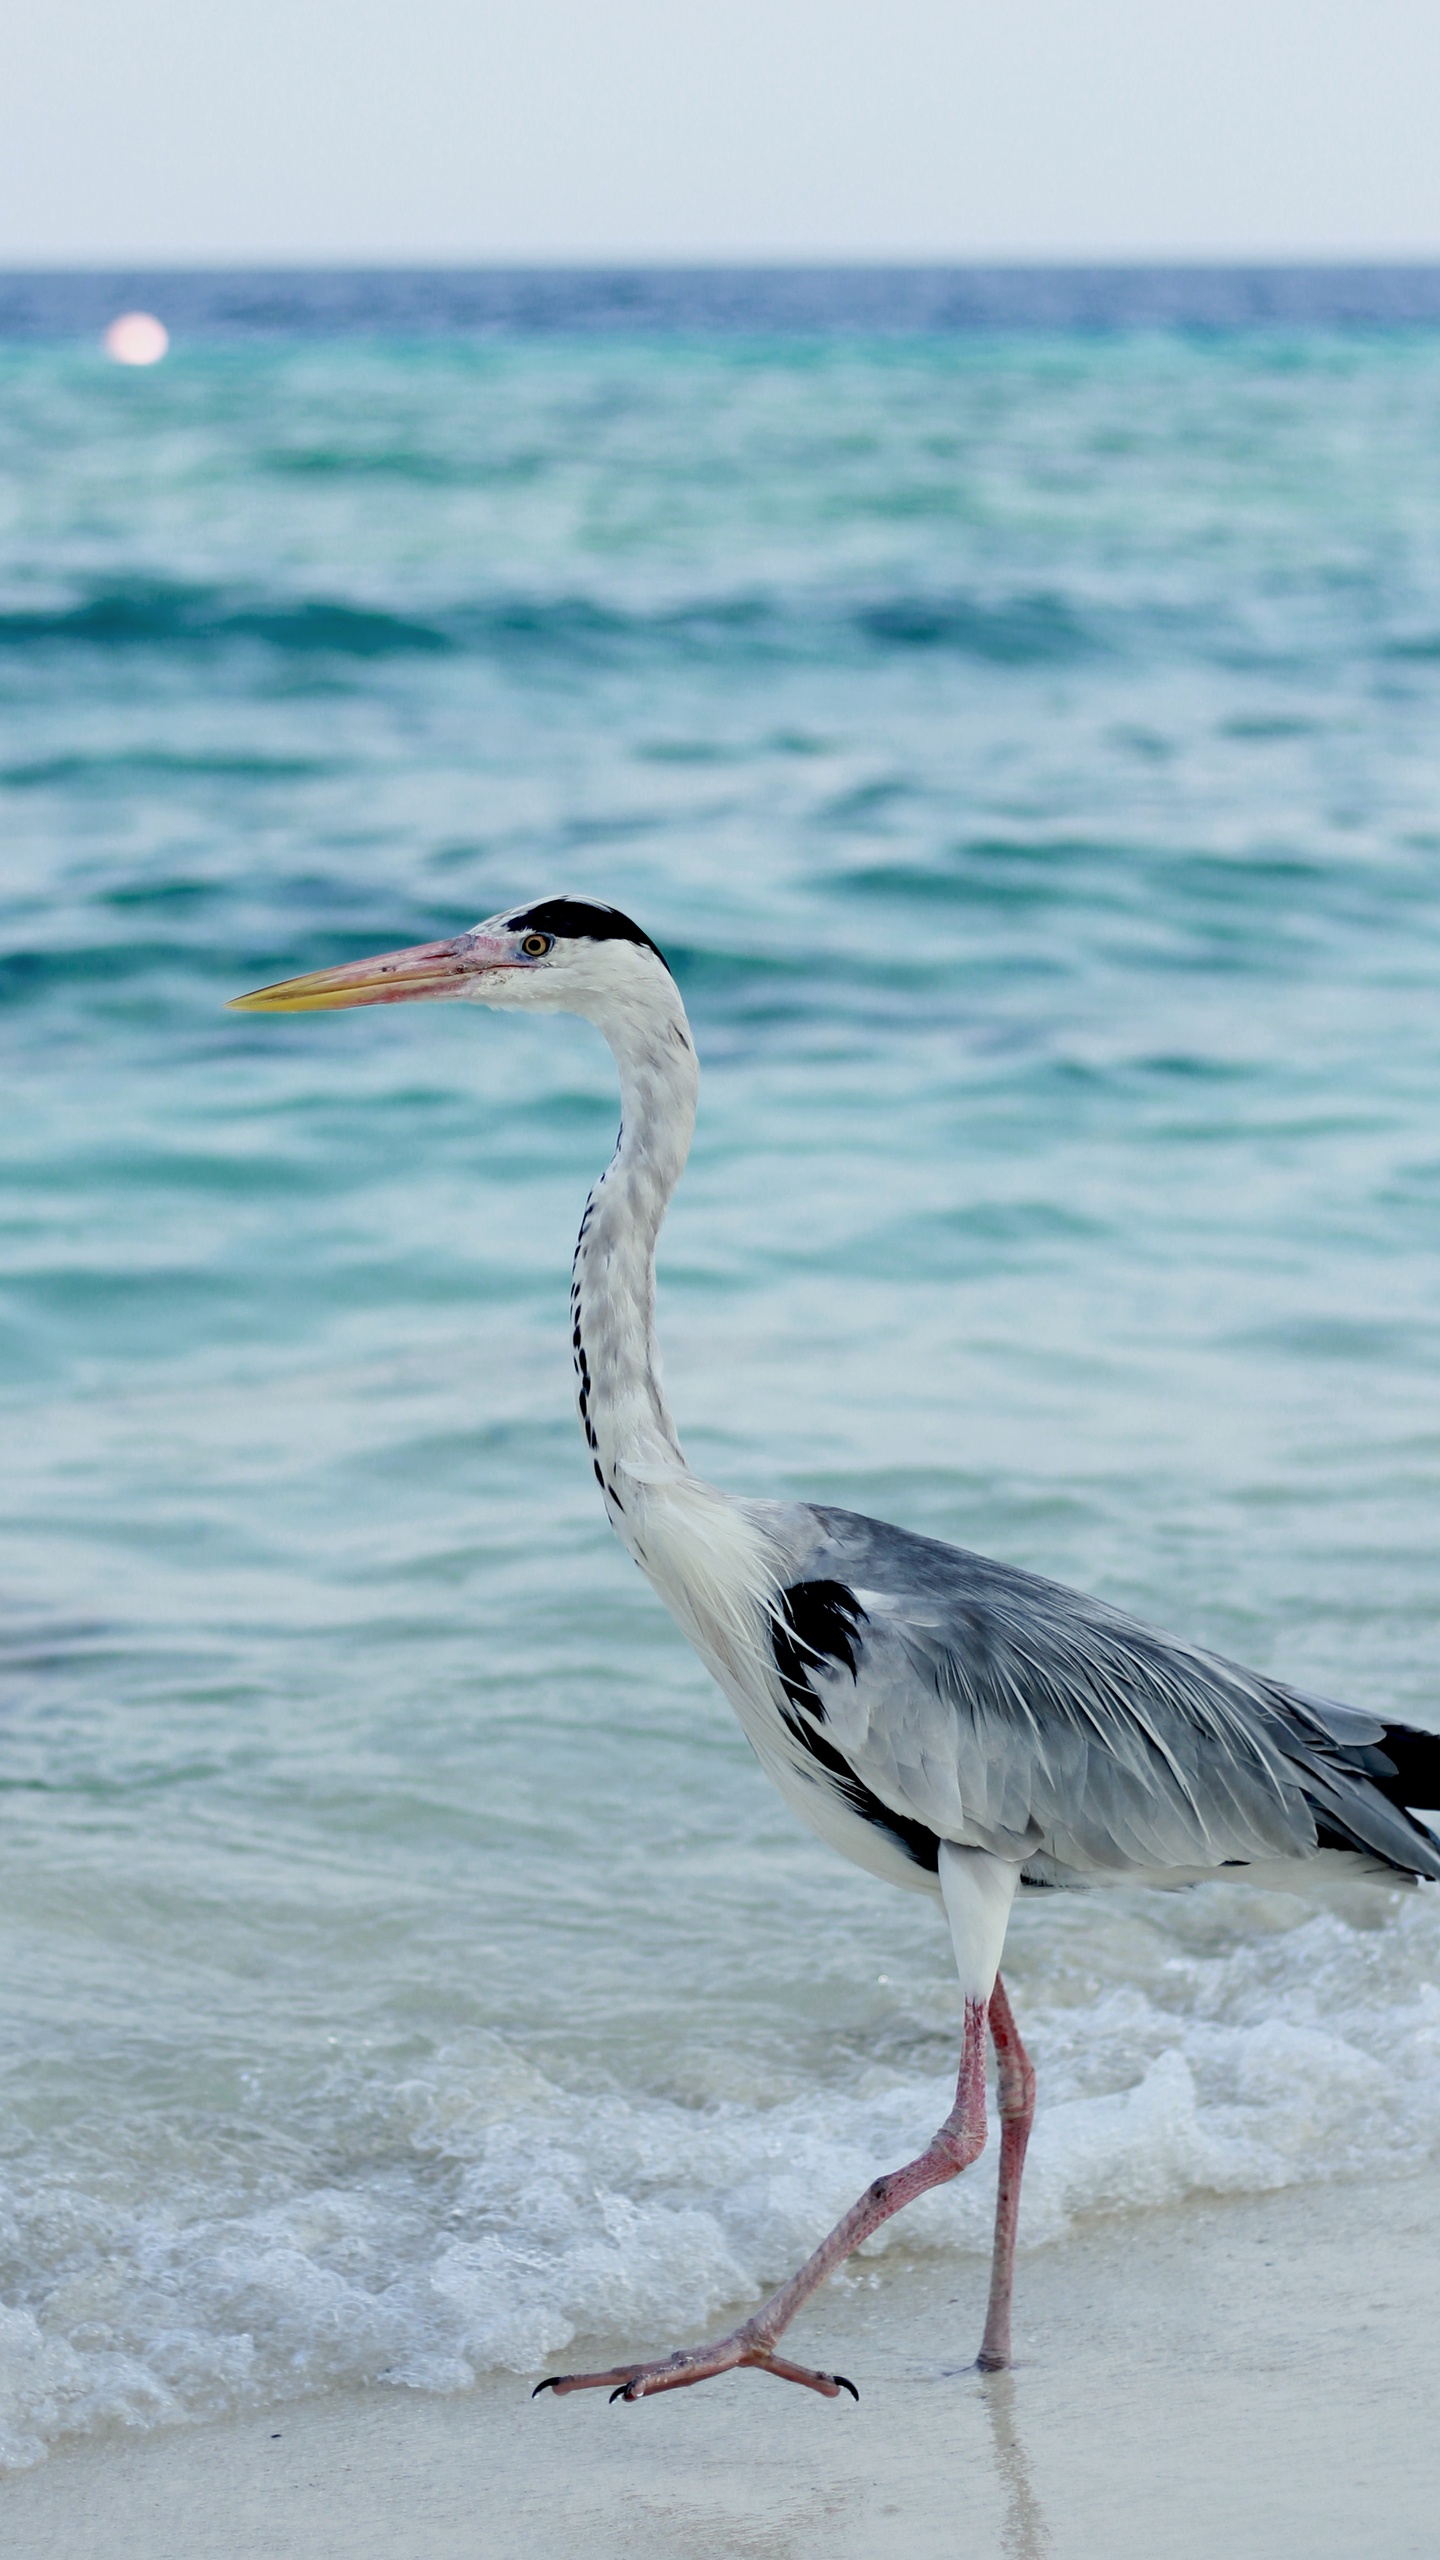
column 829, row 2385
column 676, row 2373
column 621, row 2375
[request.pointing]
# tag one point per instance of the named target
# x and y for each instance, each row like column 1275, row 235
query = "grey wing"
column 987, row 1706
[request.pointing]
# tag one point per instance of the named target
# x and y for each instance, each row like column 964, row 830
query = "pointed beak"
column 393, row 977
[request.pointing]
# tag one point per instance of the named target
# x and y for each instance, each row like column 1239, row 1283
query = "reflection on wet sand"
column 1024, row 2535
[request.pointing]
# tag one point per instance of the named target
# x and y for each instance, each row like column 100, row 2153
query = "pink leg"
column 1017, row 2113
column 960, row 2140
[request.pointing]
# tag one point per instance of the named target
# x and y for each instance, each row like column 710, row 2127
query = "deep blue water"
column 711, row 301
column 1012, row 703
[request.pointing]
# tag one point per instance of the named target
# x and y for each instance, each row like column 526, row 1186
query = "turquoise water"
column 1025, row 747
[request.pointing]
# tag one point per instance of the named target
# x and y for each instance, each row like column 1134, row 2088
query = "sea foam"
column 508, row 2219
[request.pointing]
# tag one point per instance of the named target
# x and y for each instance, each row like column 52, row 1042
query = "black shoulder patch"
column 580, row 917
column 818, row 1622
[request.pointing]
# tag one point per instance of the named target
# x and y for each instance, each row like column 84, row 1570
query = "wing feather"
column 1008, row 1713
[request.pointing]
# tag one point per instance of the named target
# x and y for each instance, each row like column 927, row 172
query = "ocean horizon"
column 785, row 298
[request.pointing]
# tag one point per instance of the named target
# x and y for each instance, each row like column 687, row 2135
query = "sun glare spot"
column 137, row 337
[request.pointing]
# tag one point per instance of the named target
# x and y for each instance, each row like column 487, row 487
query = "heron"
column 959, row 1727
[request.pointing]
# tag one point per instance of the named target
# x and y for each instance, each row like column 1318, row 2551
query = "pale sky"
column 224, row 130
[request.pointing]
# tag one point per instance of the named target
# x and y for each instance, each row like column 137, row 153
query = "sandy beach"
column 1249, row 2378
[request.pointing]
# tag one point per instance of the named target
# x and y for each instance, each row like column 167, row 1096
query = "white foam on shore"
column 488, row 2218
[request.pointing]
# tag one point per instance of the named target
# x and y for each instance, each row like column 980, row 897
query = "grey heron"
column 958, row 1727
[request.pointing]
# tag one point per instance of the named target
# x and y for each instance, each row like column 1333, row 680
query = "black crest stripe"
column 580, row 917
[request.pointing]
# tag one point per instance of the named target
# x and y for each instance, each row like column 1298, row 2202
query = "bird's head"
column 563, row 955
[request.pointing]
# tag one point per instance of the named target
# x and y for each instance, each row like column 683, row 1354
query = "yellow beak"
column 393, row 977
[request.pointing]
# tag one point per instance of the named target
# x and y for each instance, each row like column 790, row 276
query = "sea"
column 1012, row 701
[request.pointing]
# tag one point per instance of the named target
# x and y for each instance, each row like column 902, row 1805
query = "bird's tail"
column 1415, row 1787
column 1402, row 1770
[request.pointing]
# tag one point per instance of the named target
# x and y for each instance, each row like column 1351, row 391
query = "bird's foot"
column 697, row 2364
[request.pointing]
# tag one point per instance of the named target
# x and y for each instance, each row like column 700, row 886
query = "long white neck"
column 706, row 1555
column 627, row 1423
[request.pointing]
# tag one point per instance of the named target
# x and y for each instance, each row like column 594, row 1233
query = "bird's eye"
column 535, row 945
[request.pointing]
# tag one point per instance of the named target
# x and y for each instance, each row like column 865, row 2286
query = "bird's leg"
column 960, row 2140
column 1016, row 2077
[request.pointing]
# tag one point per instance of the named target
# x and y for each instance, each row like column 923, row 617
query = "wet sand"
column 1253, row 2378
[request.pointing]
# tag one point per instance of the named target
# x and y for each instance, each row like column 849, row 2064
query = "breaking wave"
column 490, row 2218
